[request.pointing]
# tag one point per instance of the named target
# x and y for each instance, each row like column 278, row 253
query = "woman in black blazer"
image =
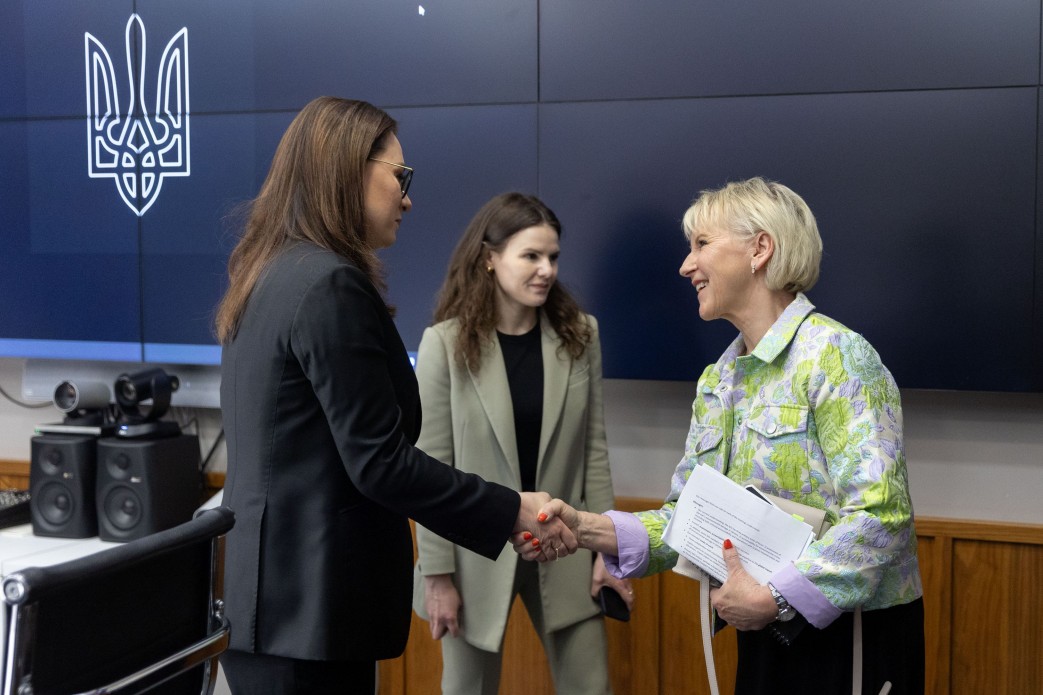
column 321, row 410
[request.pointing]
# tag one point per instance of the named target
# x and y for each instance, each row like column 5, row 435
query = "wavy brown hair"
column 469, row 291
column 313, row 193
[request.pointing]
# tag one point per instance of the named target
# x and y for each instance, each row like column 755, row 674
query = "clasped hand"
column 555, row 535
column 539, row 535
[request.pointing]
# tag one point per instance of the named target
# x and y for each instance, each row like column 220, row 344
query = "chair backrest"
column 124, row 619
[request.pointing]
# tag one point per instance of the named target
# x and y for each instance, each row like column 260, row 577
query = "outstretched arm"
column 592, row 531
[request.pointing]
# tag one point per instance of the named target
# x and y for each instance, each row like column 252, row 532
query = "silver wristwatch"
column 786, row 611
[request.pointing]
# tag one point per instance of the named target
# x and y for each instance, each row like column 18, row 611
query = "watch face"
column 786, row 611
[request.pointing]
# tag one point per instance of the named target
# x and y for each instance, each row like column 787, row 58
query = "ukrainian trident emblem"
column 136, row 149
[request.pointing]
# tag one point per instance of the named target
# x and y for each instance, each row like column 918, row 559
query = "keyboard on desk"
column 14, row 508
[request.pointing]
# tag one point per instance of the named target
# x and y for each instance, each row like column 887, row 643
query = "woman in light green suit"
column 510, row 384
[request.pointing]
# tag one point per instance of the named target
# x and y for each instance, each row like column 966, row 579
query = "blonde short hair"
column 745, row 208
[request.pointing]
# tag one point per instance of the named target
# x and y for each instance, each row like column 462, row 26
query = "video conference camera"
column 142, row 398
column 133, row 391
column 72, row 397
column 85, row 404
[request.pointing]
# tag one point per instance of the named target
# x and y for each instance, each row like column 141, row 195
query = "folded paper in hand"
column 712, row 507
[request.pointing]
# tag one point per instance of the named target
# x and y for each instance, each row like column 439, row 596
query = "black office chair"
column 146, row 615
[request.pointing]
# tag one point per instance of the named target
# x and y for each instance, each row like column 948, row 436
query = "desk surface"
column 19, row 549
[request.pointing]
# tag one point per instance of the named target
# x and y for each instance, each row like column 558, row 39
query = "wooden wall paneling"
column 999, row 531
column 213, row 483
column 423, row 660
column 635, row 648
column 632, row 648
column 419, row 670
column 935, row 554
column 13, row 482
column 392, row 674
column 525, row 666
column 681, row 666
column 983, row 619
column 1024, row 662
column 997, row 626
column 14, row 475
column 632, row 645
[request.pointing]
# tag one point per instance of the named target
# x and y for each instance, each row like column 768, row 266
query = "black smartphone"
column 612, row 604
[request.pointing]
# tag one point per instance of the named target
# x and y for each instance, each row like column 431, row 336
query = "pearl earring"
column 488, row 269
column 753, row 268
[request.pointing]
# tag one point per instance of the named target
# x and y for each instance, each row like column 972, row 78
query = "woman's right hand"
column 536, row 536
column 529, row 548
column 588, row 530
column 560, row 509
column 442, row 603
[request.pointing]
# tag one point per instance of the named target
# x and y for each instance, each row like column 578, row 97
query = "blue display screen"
column 133, row 132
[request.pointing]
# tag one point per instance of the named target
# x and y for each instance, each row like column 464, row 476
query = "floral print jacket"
column 813, row 415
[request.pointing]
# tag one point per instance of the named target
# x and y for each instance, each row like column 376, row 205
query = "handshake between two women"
column 550, row 529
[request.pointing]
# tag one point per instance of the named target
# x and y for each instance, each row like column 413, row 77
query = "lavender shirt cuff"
column 632, row 543
column 802, row 595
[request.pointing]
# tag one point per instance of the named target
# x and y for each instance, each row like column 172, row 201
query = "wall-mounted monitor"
column 132, row 132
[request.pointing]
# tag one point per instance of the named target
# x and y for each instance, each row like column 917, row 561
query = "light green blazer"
column 468, row 422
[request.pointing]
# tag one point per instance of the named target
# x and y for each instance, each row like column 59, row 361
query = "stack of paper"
column 712, row 508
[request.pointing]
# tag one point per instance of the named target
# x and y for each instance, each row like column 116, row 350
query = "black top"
column 523, row 357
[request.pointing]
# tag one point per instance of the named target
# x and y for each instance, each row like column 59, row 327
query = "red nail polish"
column 727, row 543
column 541, row 517
column 527, row 536
column 535, row 542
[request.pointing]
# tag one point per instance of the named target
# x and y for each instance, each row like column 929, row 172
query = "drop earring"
column 488, row 269
column 753, row 268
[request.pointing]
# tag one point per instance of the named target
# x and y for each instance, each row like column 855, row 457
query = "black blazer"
column 321, row 410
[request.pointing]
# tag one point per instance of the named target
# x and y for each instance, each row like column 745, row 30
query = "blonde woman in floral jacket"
column 800, row 407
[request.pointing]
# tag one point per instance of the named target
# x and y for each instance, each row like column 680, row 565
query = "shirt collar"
column 783, row 330
column 776, row 339
column 778, row 336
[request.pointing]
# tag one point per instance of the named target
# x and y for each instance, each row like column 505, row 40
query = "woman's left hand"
column 741, row 601
column 602, row 577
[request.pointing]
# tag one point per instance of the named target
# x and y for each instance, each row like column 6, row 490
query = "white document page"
column 712, row 507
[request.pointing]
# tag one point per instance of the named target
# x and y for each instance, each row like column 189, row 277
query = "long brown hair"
column 313, row 192
column 469, row 291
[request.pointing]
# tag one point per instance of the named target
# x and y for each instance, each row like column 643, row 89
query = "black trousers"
column 263, row 674
column 819, row 661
